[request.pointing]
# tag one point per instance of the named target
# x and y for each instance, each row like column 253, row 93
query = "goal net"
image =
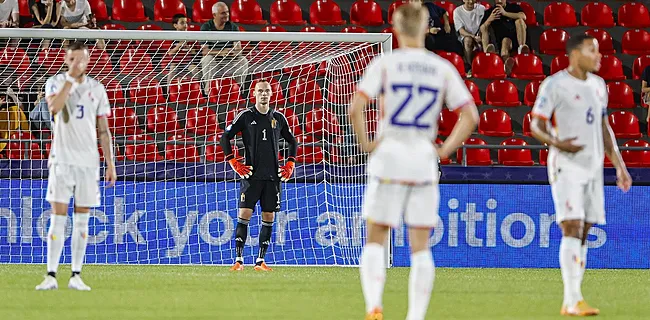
column 172, row 94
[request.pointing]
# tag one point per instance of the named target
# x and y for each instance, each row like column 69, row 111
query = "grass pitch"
column 201, row 292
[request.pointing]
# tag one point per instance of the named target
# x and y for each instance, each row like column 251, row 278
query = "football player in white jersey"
column 576, row 100
column 79, row 106
column 413, row 84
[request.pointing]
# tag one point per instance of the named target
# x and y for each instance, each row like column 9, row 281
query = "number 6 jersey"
column 74, row 131
column 413, row 84
column 577, row 107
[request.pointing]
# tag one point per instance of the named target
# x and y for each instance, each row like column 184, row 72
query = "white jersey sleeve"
column 370, row 83
column 456, row 93
column 104, row 108
column 546, row 100
column 52, row 87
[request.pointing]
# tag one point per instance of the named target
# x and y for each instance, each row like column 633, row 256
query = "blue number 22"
column 410, row 90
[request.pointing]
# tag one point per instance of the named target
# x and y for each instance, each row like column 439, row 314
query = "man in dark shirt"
column 645, row 89
column 507, row 23
column 260, row 127
column 440, row 36
column 222, row 58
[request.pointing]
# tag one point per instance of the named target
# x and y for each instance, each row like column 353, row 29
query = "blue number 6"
column 590, row 116
column 409, row 90
column 81, row 111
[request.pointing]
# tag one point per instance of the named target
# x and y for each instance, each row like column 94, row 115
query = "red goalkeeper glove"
column 285, row 172
column 242, row 170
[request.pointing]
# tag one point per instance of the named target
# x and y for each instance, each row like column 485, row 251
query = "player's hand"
column 110, row 176
column 286, row 171
column 242, row 170
column 568, row 146
column 623, row 179
column 443, row 152
column 369, row 146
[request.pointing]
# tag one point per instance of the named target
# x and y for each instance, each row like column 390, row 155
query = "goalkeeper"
column 261, row 128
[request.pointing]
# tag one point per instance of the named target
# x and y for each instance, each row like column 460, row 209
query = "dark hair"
column 177, row 17
column 77, row 45
column 575, row 42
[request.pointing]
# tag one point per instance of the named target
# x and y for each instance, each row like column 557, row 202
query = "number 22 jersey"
column 413, row 84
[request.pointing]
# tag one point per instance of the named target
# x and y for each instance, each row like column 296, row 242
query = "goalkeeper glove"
column 285, row 172
column 242, row 170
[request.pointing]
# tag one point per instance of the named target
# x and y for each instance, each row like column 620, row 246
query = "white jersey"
column 75, row 142
column 577, row 107
column 414, row 84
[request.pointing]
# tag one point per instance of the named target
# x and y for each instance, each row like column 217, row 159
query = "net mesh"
column 177, row 200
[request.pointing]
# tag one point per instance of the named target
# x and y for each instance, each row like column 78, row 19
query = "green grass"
column 202, row 292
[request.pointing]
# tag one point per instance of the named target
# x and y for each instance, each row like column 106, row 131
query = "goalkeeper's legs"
column 241, row 233
column 373, row 269
column 422, row 273
column 265, row 240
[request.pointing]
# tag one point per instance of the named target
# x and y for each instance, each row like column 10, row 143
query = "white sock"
column 420, row 284
column 570, row 267
column 55, row 240
column 79, row 239
column 583, row 265
column 373, row 275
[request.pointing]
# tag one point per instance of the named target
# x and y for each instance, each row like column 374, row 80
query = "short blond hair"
column 411, row 20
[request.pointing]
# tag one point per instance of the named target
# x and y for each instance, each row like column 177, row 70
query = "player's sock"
column 265, row 240
column 240, row 238
column 583, row 265
column 373, row 275
column 79, row 239
column 420, row 284
column 570, row 267
column 55, row 240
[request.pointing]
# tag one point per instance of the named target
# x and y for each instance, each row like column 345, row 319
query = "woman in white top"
column 75, row 13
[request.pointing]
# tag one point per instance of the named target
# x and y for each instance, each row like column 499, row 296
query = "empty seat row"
column 597, row 15
column 634, row 41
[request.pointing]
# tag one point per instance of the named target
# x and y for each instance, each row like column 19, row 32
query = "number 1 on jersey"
column 264, row 134
column 410, row 90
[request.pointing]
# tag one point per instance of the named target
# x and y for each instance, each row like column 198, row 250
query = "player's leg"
column 570, row 247
column 249, row 195
column 270, row 203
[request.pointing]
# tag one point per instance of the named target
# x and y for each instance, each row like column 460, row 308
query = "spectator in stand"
column 9, row 15
column 506, row 23
column 185, row 55
column 645, row 89
column 467, row 20
column 76, row 14
column 440, row 36
column 222, row 58
column 46, row 12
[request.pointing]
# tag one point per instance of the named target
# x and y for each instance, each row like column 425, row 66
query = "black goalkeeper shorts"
column 266, row 192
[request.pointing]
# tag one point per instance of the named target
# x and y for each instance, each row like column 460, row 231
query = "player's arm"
column 236, row 127
column 106, row 142
column 369, row 87
column 286, row 171
column 55, row 96
column 458, row 99
column 623, row 179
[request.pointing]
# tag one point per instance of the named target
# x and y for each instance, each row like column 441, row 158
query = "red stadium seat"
column 232, row 114
column 449, row 7
column 202, row 10
column 114, row 91
column 321, row 122
column 277, row 94
column 136, row 62
column 23, row 149
column 605, row 43
column 488, row 66
column 312, row 29
column 396, row 4
column 99, row 63
column 525, row 124
column 446, row 122
column 543, row 156
column 310, row 154
column 528, row 67
column 395, row 42
column 559, row 63
column 120, row 45
column 553, row 41
column 621, row 95
column 224, row 91
column 292, row 119
column 633, row 15
column 142, row 150
column 456, row 60
column 196, row 27
column 354, row 29
column 636, row 158
column 51, row 60
column 165, row 10
column 129, row 11
column 16, row 59
column 340, row 90
column 502, row 93
column 124, row 121
column 640, row 63
column 213, row 151
column 162, row 119
column 611, row 68
column 636, row 42
column 515, row 157
column 531, row 17
column 597, row 15
column 153, row 46
column 326, row 13
column 202, row 121
column 302, row 90
column 146, row 91
column 246, row 12
column 475, row 157
column 560, row 14
column 496, row 123
column 366, row 13
column 113, row 26
column 625, row 124
column 186, row 91
column 473, row 89
column 176, row 150
column 98, row 8
column 530, row 93
column 286, row 12
column 23, row 8
column 486, row 4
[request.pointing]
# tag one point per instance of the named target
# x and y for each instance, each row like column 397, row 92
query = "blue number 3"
column 81, row 111
column 409, row 95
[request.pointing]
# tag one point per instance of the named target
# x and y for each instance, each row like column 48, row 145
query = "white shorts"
column 576, row 198
column 66, row 181
column 386, row 203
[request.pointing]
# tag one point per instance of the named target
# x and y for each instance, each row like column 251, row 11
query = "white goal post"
column 177, row 200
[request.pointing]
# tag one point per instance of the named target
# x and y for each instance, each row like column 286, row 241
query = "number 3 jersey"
column 577, row 108
column 412, row 85
column 74, row 140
